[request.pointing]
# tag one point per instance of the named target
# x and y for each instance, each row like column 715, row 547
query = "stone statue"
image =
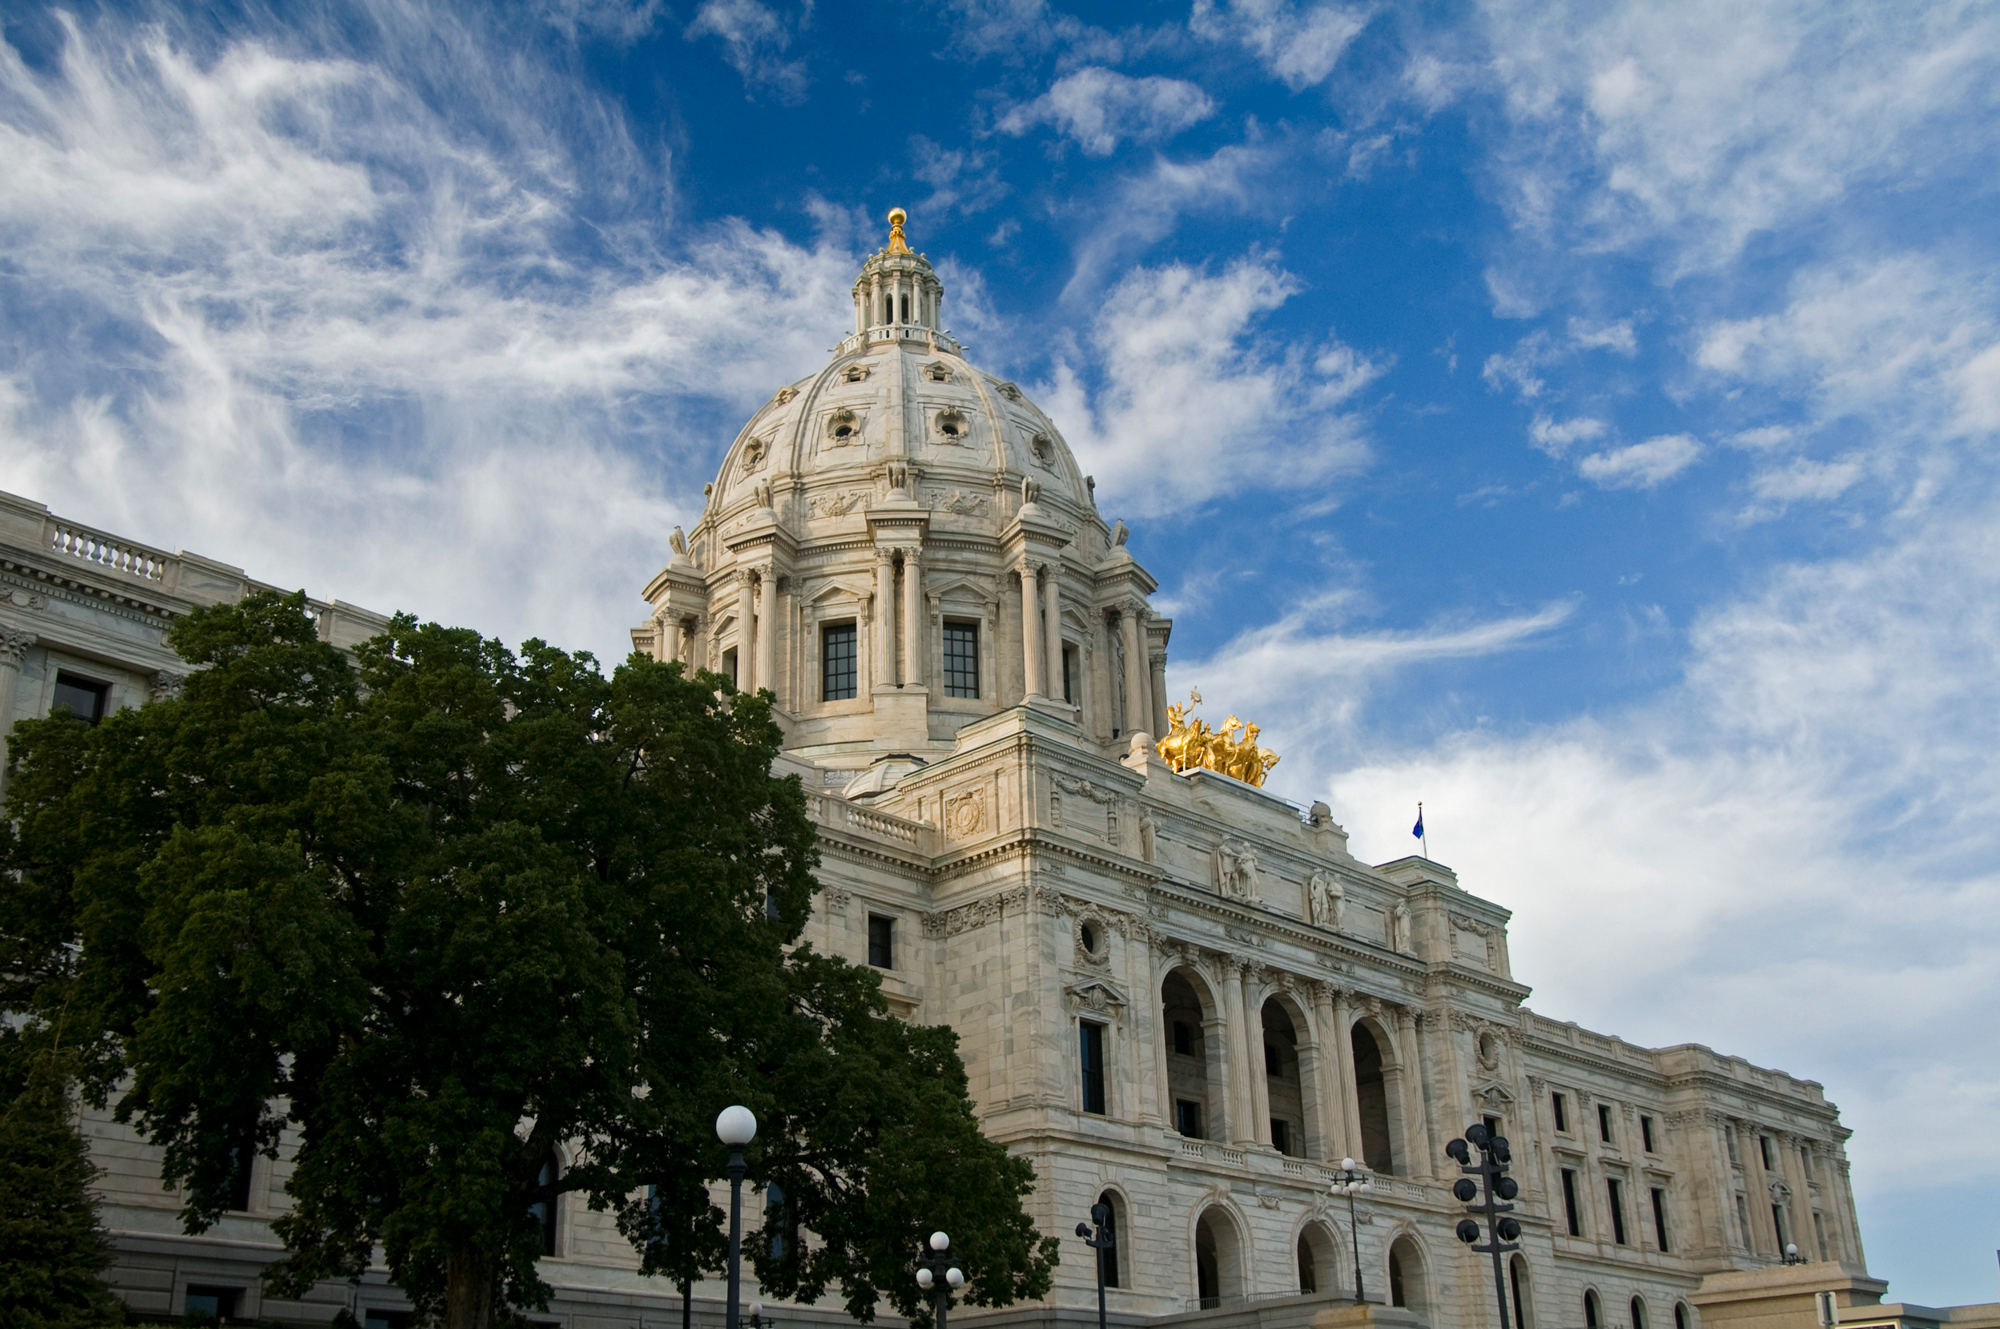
column 1120, row 532
column 1326, row 899
column 678, row 541
column 1399, row 928
column 1149, row 830
column 1237, row 864
column 1190, row 743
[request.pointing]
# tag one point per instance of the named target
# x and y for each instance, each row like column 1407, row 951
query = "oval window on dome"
column 951, row 422
column 843, row 426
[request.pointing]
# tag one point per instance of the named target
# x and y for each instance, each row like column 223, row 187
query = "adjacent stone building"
column 1176, row 992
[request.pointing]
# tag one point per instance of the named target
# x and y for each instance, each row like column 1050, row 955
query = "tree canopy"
column 446, row 915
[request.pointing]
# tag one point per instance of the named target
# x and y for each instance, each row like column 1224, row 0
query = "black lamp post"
column 1792, row 1255
column 1352, row 1182
column 1100, row 1214
column 937, row 1271
column 1502, row 1226
column 758, row 1320
column 736, row 1127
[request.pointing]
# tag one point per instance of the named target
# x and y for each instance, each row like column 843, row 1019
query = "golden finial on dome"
column 897, row 245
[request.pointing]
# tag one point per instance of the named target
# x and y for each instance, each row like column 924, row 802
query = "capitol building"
column 1176, row 993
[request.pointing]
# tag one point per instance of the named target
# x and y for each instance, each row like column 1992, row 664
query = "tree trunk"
column 471, row 1286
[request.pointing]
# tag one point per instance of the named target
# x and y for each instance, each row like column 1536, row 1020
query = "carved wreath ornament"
column 965, row 814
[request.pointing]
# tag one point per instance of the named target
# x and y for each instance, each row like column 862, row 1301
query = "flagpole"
column 1426, row 837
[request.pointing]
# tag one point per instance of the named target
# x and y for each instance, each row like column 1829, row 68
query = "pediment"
column 1494, row 1094
column 1095, row 994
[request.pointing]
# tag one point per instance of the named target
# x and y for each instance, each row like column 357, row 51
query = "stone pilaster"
column 913, row 618
column 1032, row 652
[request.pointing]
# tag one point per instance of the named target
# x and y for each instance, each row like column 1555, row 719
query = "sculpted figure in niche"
column 1149, row 829
column 1238, row 870
column 1327, row 898
column 1399, row 928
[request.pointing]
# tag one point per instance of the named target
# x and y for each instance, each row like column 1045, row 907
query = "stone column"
column 1794, row 1169
column 1161, row 1033
column 1349, row 1100
column 1159, row 689
column 1326, row 1058
column 1416, row 1135
column 1031, row 633
column 1260, row 1082
column 767, row 630
column 1137, row 706
column 1422, row 1023
column 1151, row 1051
column 882, row 669
column 1237, row 1047
column 913, row 618
column 669, row 639
column 1052, row 629
column 14, row 646
column 746, row 631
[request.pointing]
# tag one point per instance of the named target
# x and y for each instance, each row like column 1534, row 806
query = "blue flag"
column 1418, row 829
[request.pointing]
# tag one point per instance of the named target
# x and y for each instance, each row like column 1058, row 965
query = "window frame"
column 1604, row 1124
column 847, row 632
column 1646, row 1140
column 887, row 926
column 1614, row 1194
column 1572, row 1210
column 1093, row 1036
column 1559, row 1109
column 957, row 666
column 97, row 689
column 1183, row 1109
column 1660, row 1220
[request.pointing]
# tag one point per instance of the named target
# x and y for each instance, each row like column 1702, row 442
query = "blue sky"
column 1579, row 417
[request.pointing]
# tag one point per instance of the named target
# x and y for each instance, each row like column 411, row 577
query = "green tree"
column 53, row 1253
column 460, row 911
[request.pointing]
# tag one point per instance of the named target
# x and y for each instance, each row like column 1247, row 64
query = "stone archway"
column 1219, row 1276
column 1193, row 1043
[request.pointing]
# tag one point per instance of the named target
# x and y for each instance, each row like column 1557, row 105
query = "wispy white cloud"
column 1099, row 108
column 350, row 356
column 1640, row 465
column 755, row 39
column 1193, row 404
column 1298, row 44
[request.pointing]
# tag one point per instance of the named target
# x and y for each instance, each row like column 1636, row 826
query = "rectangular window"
column 1604, row 1122
column 210, row 1303
column 1764, row 1152
column 1646, row 1133
column 1569, row 1203
column 881, row 941
column 83, row 696
column 1493, row 1128
column 1819, row 1231
column 1187, row 1118
column 729, row 666
column 1093, row 1066
column 1778, row 1224
column 1281, row 1135
column 1072, row 685
column 961, row 659
column 1184, row 1038
column 1617, row 1196
column 242, row 1158
column 1561, row 1107
column 1742, row 1221
column 838, row 673
column 1805, row 1160
column 1660, row 1219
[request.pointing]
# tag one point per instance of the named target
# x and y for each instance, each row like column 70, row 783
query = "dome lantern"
column 897, row 296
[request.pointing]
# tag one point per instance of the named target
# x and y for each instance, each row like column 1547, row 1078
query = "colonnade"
column 1233, row 995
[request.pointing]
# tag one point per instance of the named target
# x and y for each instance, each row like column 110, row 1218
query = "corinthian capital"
column 14, row 645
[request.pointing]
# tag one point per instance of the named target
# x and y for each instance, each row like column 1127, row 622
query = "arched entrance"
column 1372, row 1098
column 1291, row 1079
column 1192, row 1037
column 1318, row 1254
column 1218, row 1259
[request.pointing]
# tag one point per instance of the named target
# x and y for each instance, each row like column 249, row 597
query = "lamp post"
column 757, row 1318
column 735, row 1127
column 936, row 1270
column 1100, row 1214
column 1792, row 1255
column 1503, row 1227
column 1352, row 1182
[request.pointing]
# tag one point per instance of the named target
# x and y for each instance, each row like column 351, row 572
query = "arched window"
column 1680, row 1315
column 545, row 1209
column 1638, row 1314
column 1406, row 1277
column 1110, row 1256
column 1523, row 1294
column 1591, row 1319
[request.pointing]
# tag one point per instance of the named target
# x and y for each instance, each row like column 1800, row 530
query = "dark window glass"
column 242, row 1159
column 84, row 697
column 376, row 1318
column 1569, row 1203
column 210, row 1303
column 545, row 1210
column 1638, row 1314
column 1646, row 1133
column 1764, row 1151
column 1281, row 1135
column 1493, row 1131
column 837, row 672
column 1092, row 1049
column 1187, row 1118
column 1680, row 1315
column 1514, row 1285
column 1778, row 1224
column 1184, row 1038
column 1604, row 1122
column 1107, row 1257
column 1561, row 1110
column 1071, row 689
column 729, row 666
column 774, row 1208
column 961, row 659
column 1590, row 1310
column 1616, row 1190
column 881, row 941
column 1660, row 1218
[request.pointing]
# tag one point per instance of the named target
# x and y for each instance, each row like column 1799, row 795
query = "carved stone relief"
column 836, row 505
column 965, row 814
column 955, row 501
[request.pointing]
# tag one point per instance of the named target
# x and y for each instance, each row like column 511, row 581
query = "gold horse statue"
column 1190, row 744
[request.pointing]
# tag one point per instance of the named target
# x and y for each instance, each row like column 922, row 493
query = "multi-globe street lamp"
column 1502, row 1226
column 936, row 1271
column 1100, row 1215
column 1352, row 1183
column 735, row 1127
